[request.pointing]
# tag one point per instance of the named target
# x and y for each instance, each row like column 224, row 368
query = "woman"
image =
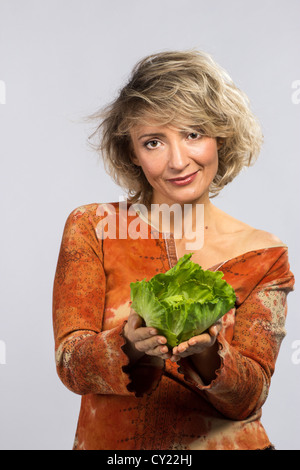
column 177, row 133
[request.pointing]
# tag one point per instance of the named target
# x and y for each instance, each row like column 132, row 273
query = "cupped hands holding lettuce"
column 180, row 308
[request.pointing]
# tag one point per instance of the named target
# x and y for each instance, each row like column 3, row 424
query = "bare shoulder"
column 255, row 239
column 239, row 237
column 262, row 239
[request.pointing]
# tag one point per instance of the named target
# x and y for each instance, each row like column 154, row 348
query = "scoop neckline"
column 167, row 237
column 219, row 265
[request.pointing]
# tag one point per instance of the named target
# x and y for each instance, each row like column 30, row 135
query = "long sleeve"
column 248, row 357
column 88, row 359
column 146, row 405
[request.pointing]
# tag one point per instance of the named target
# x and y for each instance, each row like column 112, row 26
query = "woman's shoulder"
column 253, row 239
column 263, row 239
column 248, row 242
column 247, row 237
column 94, row 209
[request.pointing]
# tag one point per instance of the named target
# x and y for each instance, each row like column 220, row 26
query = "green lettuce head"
column 183, row 302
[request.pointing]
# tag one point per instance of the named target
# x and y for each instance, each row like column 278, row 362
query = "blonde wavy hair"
column 185, row 89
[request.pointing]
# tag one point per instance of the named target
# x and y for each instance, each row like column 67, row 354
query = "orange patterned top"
column 146, row 406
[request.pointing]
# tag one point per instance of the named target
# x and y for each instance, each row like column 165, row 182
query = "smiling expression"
column 179, row 165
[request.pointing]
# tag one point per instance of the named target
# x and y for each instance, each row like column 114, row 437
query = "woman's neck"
column 182, row 219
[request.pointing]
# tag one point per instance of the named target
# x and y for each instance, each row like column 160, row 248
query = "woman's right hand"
column 143, row 340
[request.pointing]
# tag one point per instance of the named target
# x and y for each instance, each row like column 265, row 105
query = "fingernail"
column 153, row 332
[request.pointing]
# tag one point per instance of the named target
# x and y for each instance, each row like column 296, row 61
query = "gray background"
column 61, row 60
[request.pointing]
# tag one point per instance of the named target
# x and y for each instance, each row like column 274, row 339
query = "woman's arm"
column 88, row 360
column 207, row 363
column 240, row 383
column 202, row 352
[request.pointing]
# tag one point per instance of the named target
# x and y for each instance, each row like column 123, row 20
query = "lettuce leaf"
column 183, row 302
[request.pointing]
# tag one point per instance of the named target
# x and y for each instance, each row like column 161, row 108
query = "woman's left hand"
column 197, row 344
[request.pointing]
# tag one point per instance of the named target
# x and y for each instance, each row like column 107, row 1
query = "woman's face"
column 179, row 165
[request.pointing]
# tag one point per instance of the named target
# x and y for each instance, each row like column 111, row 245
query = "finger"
column 204, row 339
column 134, row 319
column 215, row 329
column 136, row 330
column 194, row 345
column 160, row 351
column 146, row 334
column 181, row 348
column 175, row 358
column 134, row 322
column 151, row 344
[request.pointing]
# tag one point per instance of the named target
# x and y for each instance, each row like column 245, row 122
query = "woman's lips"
column 184, row 179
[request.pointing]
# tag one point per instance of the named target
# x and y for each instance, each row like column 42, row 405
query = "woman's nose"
column 178, row 158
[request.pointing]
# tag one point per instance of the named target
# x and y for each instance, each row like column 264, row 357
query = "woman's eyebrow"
column 157, row 134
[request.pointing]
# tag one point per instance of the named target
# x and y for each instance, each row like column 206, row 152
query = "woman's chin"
column 183, row 197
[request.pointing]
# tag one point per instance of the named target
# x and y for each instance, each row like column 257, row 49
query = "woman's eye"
column 194, row 135
column 152, row 144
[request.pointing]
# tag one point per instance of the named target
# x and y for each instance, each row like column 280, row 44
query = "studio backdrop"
column 59, row 62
